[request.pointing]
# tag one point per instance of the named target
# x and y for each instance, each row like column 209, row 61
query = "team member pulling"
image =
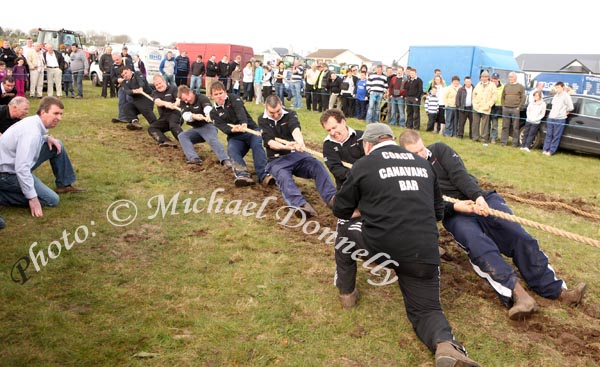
column 399, row 213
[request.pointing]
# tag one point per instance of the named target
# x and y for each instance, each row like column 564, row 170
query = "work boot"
column 134, row 125
column 573, row 297
column 226, row 163
column 308, row 210
column 524, row 305
column 167, row 144
column 268, row 180
column 448, row 354
column 196, row 161
column 349, row 300
column 242, row 177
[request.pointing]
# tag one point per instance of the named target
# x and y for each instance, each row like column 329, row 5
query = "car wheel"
column 95, row 81
column 537, row 142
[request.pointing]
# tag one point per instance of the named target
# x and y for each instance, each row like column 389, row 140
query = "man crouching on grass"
column 23, row 148
column 400, row 202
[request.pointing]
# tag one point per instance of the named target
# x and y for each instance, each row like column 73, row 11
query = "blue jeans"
column 238, row 145
column 280, row 92
column 196, row 83
column 300, row 164
column 451, row 121
column 123, row 100
column 206, row 133
column 397, row 111
column 373, row 109
column 296, row 88
column 554, row 133
column 170, row 79
column 10, row 189
column 78, row 81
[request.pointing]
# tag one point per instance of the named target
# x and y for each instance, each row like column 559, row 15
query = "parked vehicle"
column 217, row 49
column 581, row 83
column 150, row 55
column 582, row 130
column 463, row 61
column 57, row 37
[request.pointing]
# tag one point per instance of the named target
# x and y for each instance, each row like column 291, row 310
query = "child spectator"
column 236, row 79
column 267, row 82
column 535, row 112
column 68, row 81
column 3, row 71
column 432, row 105
column 20, row 75
column 361, row 96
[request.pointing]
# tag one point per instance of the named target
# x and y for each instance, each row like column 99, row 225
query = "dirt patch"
column 457, row 278
column 575, row 206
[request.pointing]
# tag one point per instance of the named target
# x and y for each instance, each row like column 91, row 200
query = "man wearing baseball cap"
column 484, row 97
column 400, row 202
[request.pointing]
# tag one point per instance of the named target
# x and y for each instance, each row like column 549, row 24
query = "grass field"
column 221, row 283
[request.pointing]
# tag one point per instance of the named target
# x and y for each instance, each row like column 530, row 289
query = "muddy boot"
column 242, row 177
column 573, row 297
column 349, row 300
column 524, row 305
column 448, row 354
column 308, row 211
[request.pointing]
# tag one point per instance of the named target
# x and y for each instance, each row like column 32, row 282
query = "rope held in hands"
column 492, row 212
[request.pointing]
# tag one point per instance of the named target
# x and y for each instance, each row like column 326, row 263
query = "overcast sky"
column 382, row 34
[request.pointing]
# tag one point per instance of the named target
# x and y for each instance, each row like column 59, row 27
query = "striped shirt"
column 377, row 83
column 297, row 74
column 432, row 104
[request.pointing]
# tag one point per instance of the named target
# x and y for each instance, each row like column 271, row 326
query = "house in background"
column 340, row 57
column 578, row 71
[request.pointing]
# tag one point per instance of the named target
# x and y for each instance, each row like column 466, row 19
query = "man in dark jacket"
column 7, row 54
column 414, row 92
column 195, row 110
column 487, row 238
column 136, row 86
column 105, row 64
column 289, row 160
column 183, row 68
column 212, row 71
column 400, row 202
column 464, row 106
column 225, row 72
column 232, row 118
column 117, row 80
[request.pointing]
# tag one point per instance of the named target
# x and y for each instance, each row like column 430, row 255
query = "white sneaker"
column 525, row 149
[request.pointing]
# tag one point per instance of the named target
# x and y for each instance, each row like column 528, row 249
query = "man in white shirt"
column 54, row 64
column 23, row 148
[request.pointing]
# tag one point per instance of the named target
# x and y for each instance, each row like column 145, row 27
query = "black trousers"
column 419, row 284
column 413, row 113
column 168, row 122
column 464, row 113
column 140, row 105
column 309, row 93
column 108, row 84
